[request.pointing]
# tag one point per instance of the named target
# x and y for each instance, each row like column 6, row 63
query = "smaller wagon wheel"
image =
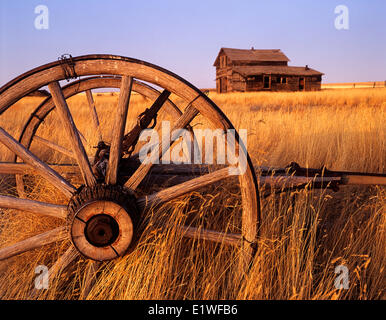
column 102, row 214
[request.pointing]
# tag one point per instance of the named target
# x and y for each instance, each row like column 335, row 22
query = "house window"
column 279, row 80
column 316, row 78
column 223, row 61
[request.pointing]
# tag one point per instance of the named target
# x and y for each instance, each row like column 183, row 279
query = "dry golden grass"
column 304, row 234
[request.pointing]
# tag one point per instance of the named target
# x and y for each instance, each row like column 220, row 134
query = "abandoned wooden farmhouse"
column 262, row 69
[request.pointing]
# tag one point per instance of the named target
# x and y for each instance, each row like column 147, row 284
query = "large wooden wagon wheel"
column 102, row 214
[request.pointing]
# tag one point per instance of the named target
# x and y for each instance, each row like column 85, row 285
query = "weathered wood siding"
column 313, row 83
column 224, row 75
column 291, row 83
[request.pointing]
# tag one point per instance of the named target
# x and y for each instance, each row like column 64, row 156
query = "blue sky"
column 185, row 36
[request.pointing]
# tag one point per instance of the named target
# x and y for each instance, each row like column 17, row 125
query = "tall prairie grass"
column 304, row 235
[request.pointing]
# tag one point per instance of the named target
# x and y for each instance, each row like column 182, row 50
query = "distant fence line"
column 355, row 85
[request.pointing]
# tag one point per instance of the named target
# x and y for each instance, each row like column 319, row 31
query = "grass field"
column 301, row 242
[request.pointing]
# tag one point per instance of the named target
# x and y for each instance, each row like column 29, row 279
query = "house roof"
column 253, row 55
column 282, row 70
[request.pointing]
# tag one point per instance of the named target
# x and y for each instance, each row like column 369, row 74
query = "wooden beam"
column 64, row 260
column 119, row 130
column 290, row 181
column 210, row 235
column 94, row 115
column 70, row 255
column 24, row 168
column 361, row 179
column 49, row 209
column 72, row 131
column 34, row 242
column 183, row 188
column 55, row 147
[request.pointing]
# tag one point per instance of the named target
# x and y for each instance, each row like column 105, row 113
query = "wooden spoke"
column 83, row 138
column 119, row 130
column 24, row 168
column 94, row 115
column 20, row 186
column 68, row 122
column 189, row 114
column 70, row 255
column 42, row 168
column 54, row 146
column 15, row 168
column 57, row 211
column 60, row 149
column 34, row 242
column 90, row 278
column 183, row 188
column 210, row 235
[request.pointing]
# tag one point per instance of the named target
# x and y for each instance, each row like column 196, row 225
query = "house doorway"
column 223, row 85
column 301, row 84
column 266, row 82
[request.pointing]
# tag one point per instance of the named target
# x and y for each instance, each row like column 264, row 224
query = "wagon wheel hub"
column 101, row 230
column 101, row 221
